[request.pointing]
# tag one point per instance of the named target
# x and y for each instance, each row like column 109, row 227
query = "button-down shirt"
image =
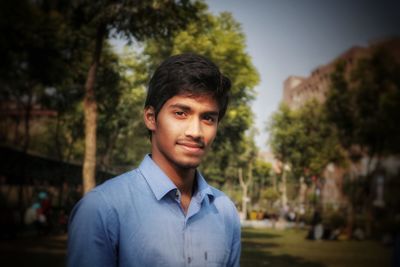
column 136, row 219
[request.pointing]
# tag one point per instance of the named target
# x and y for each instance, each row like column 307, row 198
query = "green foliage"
column 261, row 172
column 35, row 45
column 133, row 20
column 364, row 102
column 320, row 142
column 42, row 63
column 123, row 134
column 339, row 106
column 364, row 106
column 284, row 130
column 48, row 48
column 270, row 194
column 304, row 139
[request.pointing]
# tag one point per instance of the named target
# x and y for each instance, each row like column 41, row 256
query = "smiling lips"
column 191, row 146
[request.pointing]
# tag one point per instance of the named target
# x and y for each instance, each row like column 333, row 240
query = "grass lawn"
column 284, row 248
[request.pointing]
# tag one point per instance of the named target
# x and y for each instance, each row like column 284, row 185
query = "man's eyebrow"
column 180, row 106
column 211, row 113
column 188, row 108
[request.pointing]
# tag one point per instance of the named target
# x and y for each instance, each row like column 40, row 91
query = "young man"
column 164, row 213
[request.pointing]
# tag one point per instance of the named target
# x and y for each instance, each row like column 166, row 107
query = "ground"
column 267, row 247
column 261, row 247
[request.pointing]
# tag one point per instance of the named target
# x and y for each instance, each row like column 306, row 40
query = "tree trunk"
column 302, row 192
column 349, row 220
column 25, row 147
column 17, row 136
column 27, row 121
column 245, row 187
column 283, row 189
column 274, row 183
column 244, row 193
column 110, row 143
column 90, row 113
column 57, row 142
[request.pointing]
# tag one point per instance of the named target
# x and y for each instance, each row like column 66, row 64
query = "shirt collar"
column 161, row 185
column 203, row 189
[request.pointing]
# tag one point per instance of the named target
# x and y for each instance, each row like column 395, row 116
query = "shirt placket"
column 187, row 242
column 186, row 236
column 194, row 208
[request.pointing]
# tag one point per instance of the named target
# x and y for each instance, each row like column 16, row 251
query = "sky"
column 294, row 37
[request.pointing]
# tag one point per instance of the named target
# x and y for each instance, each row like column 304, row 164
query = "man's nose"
column 194, row 128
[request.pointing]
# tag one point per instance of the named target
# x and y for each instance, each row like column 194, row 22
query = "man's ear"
column 149, row 116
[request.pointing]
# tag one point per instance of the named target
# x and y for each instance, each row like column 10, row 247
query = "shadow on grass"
column 254, row 245
column 254, row 258
column 255, row 252
column 248, row 233
column 33, row 251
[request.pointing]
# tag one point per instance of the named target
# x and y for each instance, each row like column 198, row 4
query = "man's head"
column 188, row 74
column 186, row 99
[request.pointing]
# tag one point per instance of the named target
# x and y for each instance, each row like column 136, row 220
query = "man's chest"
column 161, row 235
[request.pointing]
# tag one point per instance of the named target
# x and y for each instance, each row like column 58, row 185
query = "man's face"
column 184, row 129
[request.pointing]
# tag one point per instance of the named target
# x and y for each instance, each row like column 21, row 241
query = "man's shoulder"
column 114, row 193
column 222, row 201
column 120, row 181
column 121, row 186
column 226, row 207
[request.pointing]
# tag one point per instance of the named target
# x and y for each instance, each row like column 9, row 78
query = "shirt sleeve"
column 91, row 233
column 234, row 257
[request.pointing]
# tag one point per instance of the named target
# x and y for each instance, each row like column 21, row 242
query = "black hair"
column 190, row 74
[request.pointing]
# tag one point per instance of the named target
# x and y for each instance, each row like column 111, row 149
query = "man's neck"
column 183, row 178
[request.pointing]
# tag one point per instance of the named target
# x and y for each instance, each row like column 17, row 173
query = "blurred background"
column 308, row 150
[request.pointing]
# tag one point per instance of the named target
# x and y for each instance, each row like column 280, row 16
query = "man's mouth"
column 191, row 146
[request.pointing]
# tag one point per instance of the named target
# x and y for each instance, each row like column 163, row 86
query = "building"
column 14, row 117
column 298, row 90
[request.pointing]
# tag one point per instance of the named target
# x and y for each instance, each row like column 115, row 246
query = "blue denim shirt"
column 136, row 219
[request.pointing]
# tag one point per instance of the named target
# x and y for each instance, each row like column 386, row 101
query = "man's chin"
column 189, row 164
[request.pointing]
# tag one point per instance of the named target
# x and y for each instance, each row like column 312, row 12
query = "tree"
column 320, row 144
column 363, row 104
column 221, row 39
column 132, row 20
column 284, row 130
column 120, row 123
column 36, row 57
column 303, row 141
column 262, row 175
column 31, row 43
column 245, row 161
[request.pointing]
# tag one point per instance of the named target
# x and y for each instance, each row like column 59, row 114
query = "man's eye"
column 180, row 113
column 210, row 119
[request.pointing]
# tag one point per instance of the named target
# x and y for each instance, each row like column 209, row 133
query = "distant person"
column 317, row 229
column 164, row 213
